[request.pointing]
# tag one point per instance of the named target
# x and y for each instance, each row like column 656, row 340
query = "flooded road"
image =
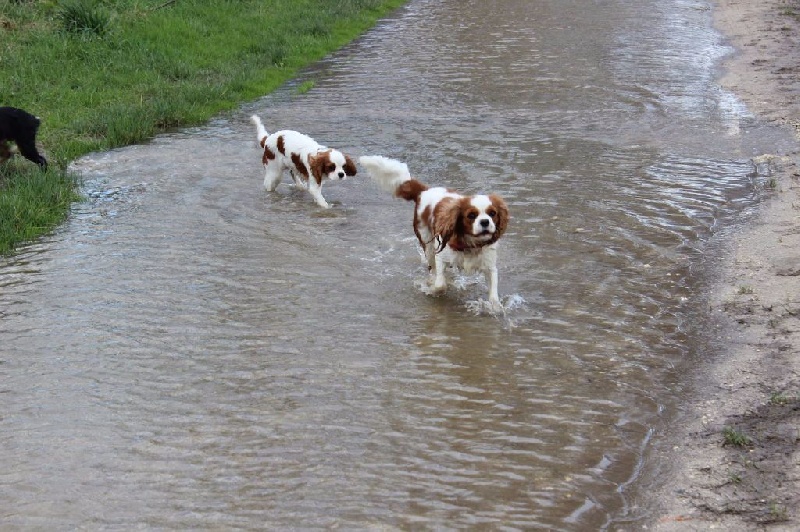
column 190, row 351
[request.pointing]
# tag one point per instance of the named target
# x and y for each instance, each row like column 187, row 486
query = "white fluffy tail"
column 261, row 131
column 387, row 173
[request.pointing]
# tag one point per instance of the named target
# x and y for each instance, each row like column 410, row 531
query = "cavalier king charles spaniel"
column 309, row 163
column 456, row 230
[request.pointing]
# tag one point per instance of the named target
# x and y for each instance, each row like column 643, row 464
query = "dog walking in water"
column 308, row 162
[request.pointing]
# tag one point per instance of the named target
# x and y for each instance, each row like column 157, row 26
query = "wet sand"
column 753, row 387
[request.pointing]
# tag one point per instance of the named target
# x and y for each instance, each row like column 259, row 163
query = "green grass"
column 106, row 73
column 32, row 202
column 305, row 87
column 778, row 512
column 782, row 398
column 83, row 17
column 735, row 438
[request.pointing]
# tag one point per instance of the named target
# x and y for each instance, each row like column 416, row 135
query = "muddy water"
column 189, row 351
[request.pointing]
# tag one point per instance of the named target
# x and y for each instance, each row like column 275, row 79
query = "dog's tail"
column 393, row 176
column 261, row 131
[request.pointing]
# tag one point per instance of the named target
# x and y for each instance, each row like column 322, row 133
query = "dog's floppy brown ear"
column 317, row 163
column 446, row 220
column 349, row 166
column 501, row 219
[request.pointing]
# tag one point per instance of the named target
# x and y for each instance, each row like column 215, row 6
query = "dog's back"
column 411, row 190
column 284, row 143
column 14, row 122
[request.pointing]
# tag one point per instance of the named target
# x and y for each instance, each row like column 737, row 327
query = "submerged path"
column 191, row 351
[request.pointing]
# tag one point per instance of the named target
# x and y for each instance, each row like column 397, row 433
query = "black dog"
column 19, row 127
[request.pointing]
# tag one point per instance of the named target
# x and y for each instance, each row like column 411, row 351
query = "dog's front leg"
column 316, row 192
column 490, row 273
column 491, row 279
column 439, row 280
column 430, row 257
column 272, row 176
column 27, row 148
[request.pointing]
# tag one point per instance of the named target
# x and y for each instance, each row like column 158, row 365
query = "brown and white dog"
column 453, row 229
column 308, row 162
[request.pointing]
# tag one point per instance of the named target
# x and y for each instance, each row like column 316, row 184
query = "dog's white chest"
column 471, row 262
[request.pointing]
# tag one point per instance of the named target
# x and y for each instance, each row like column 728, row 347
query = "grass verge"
column 106, row 73
column 32, row 202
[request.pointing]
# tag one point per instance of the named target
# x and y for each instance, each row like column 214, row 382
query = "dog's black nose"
column 484, row 223
column 341, row 175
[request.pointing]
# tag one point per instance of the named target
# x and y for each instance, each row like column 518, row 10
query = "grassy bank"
column 106, row 73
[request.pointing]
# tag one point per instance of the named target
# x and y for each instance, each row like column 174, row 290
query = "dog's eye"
column 491, row 213
column 330, row 168
column 472, row 216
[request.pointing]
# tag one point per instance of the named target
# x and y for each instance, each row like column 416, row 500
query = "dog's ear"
column 446, row 220
column 501, row 218
column 316, row 164
column 349, row 166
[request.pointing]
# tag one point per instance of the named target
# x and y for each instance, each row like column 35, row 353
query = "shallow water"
column 189, row 351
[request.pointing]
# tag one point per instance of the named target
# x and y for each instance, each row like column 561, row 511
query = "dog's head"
column 331, row 164
column 471, row 221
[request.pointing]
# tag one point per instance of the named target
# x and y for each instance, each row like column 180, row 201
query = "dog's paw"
column 438, row 288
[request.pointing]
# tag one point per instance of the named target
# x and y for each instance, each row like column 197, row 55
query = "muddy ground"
column 735, row 463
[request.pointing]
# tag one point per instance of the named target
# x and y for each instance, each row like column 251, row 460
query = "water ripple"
column 189, row 351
